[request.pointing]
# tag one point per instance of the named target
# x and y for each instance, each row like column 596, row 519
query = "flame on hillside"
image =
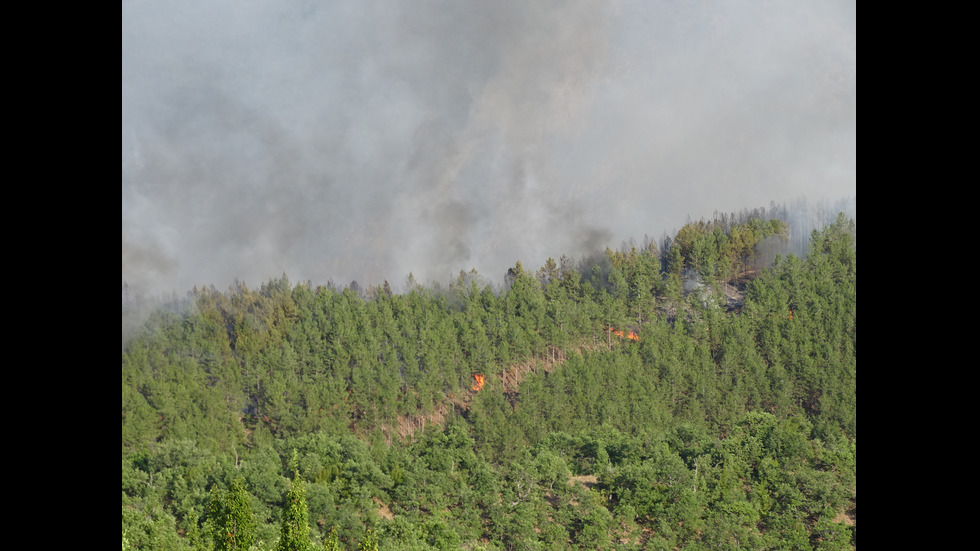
column 480, row 379
column 624, row 335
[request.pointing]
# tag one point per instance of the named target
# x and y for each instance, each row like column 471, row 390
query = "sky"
column 368, row 139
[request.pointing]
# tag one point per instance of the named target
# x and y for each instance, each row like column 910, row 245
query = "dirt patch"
column 588, row 480
column 849, row 516
column 383, row 510
column 408, row 424
column 514, row 375
column 511, row 377
column 405, row 426
column 845, row 517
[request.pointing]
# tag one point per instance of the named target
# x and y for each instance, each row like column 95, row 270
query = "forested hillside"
column 582, row 405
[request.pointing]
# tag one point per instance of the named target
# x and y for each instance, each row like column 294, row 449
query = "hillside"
column 577, row 407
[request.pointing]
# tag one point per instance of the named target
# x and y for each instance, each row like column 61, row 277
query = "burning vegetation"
column 480, row 380
column 624, row 335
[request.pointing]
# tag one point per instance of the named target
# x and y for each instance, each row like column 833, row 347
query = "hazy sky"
column 360, row 139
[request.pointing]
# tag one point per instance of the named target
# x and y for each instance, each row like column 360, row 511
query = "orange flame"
column 627, row 335
column 480, row 379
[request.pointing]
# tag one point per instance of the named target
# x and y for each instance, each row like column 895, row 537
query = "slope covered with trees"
column 617, row 411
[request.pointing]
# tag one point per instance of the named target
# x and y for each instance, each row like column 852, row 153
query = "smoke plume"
column 369, row 139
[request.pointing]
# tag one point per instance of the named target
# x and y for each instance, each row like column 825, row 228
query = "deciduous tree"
column 294, row 534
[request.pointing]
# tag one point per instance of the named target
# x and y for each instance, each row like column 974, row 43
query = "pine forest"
column 693, row 392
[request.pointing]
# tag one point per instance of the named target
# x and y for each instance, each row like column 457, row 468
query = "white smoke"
column 369, row 139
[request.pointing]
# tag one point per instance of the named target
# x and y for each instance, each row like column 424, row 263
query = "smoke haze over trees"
column 366, row 140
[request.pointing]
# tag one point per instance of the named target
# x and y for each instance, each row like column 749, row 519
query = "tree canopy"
column 616, row 409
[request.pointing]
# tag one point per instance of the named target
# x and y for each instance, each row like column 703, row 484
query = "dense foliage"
column 727, row 421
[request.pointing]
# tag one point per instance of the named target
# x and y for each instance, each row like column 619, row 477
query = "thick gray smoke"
column 368, row 139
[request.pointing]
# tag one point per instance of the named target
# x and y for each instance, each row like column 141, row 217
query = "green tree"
column 232, row 520
column 332, row 542
column 370, row 542
column 295, row 531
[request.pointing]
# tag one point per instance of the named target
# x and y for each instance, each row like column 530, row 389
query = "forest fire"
column 480, row 379
column 624, row 335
